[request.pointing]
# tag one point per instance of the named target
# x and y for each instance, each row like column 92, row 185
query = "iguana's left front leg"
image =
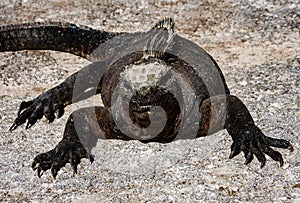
column 228, row 112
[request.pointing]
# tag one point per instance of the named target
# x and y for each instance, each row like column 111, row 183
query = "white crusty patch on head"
column 144, row 75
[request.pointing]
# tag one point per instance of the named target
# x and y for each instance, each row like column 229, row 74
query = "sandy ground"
column 256, row 44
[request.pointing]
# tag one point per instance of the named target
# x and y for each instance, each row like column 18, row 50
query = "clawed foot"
column 252, row 142
column 65, row 152
column 36, row 109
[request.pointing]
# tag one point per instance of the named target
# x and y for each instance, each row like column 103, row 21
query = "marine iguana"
column 155, row 86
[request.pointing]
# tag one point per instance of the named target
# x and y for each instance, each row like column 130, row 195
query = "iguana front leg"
column 83, row 129
column 228, row 112
column 85, row 126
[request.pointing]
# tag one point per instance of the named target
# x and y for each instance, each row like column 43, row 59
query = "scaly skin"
column 212, row 106
column 65, row 37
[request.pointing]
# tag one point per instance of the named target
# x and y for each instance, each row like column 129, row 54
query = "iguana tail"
column 65, row 37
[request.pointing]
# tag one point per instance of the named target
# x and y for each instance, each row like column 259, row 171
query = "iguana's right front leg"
column 83, row 129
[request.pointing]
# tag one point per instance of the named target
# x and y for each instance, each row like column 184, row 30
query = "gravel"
column 256, row 43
